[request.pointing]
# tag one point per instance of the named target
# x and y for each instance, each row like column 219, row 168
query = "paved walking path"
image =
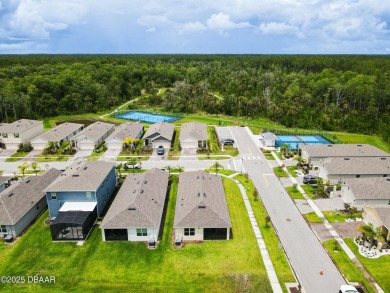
column 330, row 228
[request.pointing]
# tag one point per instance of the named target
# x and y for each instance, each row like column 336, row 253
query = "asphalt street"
column 306, row 254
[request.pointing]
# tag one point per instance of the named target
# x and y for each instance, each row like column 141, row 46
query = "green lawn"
column 16, row 156
column 309, row 189
column 54, row 158
column 128, row 157
column 278, row 258
column 345, row 137
column 221, row 171
column 292, row 169
column 379, row 268
column 211, row 266
column 336, row 217
column 294, row 192
column 280, row 172
column 312, row 218
column 347, row 266
column 175, row 153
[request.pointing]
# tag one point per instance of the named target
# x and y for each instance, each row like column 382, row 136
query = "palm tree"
column 168, row 168
column 368, row 232
column 180, row 169
column 23, row 168
column 35, row 167
column 216, row 167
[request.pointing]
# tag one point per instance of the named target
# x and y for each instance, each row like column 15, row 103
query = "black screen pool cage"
column 72, row 225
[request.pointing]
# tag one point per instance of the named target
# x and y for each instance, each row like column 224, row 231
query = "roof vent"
column 27, row 181
column 198, row 194
column 197, row 177
column 131, row 209
column 85, row 168
column 204, row 194
column 142, row 191
column 388, row 179
column 383, row 158
column 146, row 181
column 75, row 175
column 347, row 159
column 329, row 145
column 359, row 145
column 11, row 194
column 201, row 207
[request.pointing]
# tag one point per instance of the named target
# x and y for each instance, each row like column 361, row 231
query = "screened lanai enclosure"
column 72, row 225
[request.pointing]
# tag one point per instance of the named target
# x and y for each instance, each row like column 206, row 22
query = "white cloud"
column 280, row 28
column 222, row 22
column 194, row 26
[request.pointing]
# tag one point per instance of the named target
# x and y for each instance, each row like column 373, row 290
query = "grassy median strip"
column 280, row 172
column 379, row 268
column 278, row 258
column 312, row 218
column 347, row 266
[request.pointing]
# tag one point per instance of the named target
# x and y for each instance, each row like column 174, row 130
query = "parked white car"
column 348, row 289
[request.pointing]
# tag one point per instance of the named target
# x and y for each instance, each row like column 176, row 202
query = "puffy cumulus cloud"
column 222, row 22
column 193, row 26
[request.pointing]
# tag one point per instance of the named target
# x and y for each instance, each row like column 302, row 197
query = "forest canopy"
column 346, row 93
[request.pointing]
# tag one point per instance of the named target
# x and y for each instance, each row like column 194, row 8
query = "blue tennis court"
column 295, row 140
column 147, row 117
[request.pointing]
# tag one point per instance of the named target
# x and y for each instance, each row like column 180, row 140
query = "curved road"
column 306, row 254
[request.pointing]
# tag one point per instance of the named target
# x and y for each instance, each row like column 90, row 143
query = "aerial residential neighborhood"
column 193, row 173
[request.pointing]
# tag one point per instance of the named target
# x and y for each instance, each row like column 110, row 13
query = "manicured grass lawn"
column 338, row 217
column 347, row 266
column 280, row 172
column 50, row 158
column 312, row 217
column 379, row 268
column 16, row 156
column 269, row 156
column 292, row 169
column 221, row 171
column 294, row 192
column 278, row 258
column 128, row 157
column 175, row 153
column 361, row 138
column 309, row 188
column 211, row 266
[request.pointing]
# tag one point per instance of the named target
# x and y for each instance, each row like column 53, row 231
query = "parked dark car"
column 311, row 179
column 228, row 142
column 160, row 150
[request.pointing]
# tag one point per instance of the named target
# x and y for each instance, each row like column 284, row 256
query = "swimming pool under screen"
column 147, row 117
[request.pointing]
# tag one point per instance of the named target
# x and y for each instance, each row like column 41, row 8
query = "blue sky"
column 195, row 26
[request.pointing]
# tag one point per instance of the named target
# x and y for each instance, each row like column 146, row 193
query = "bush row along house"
column 364, row 174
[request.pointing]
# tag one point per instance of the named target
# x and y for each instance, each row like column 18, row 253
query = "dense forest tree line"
column 350, row 93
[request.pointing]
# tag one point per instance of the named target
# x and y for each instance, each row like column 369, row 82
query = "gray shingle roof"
column 21, row 196
column 369, row 187
column 163, row 129
column 382, row 213
column 342, row 150
column 358, row 165
column 140, row 201
column 193, row 131
column 269, row 135
column 201, row 201
column 82, row 176
column 126, row 130
column 60, row 132
column 95, row 131
column 18, row 126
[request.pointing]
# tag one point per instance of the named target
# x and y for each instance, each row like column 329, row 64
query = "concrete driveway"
column 4, row 154
column 188, row 154
column 110, row 155
column 82, row 154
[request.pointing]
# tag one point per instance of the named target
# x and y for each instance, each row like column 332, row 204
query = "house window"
column 142, row 232
column 88, row 195
column 357, row 176
column 16, row 135
column 5, row 135
column 3, row 229
column 189, row 231
column 53, row 195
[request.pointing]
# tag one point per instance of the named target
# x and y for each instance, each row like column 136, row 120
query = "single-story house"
column 23, row 201
column 201, row 209
column 363, row 192
column 193, row 135
column 161, row 133
column 93, row 136
column 268, row 139
column 5, row 181
column 337, row 169
column 20, row 131
column 137, row 210
column 77, row 197
column 322, row 153
column 61, row 133
column 378, row 217
column 126, row 130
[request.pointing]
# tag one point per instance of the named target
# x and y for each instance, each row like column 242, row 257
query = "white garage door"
column 114, row 146
column 39, row 146
column 86, row 146
column 189, row 145
column 165, row 144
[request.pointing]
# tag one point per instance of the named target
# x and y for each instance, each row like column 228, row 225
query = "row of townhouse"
column 364, row 174
column 193, row 134
column 77, row 197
